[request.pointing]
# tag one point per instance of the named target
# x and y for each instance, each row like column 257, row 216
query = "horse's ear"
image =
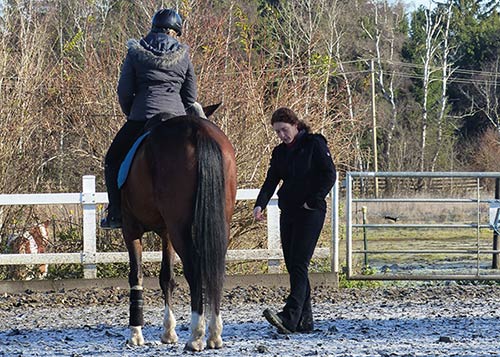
column 211, row 109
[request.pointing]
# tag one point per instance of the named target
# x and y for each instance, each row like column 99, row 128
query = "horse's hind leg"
column 167, row 285
column 134, row 247
column 43, row 271
column 215, row 330
column 193, row 277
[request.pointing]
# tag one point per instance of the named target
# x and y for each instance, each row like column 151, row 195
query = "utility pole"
column 374, row 124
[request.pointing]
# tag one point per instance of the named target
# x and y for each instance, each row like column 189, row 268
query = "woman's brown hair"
column 286, row 115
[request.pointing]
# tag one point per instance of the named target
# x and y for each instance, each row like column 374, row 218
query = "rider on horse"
column 157, row 76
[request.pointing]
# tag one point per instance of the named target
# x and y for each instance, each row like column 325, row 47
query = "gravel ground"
column 425, row 320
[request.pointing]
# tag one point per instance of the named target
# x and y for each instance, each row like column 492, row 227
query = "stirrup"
column 111, row 223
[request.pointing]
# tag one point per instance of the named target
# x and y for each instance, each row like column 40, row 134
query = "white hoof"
column 136, row 338
column 215, row 343
column 197, row 337
column 169, row 337
column 194, row 346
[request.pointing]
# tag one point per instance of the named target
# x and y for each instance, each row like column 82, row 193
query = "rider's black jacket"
column 157, row 76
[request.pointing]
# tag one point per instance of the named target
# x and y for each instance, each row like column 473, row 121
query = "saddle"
column 196, row 110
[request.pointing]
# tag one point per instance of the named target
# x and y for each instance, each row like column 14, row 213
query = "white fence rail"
column 90, row 257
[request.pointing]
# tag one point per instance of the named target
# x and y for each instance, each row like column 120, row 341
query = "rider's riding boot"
column 112, row 220
column 114, row 215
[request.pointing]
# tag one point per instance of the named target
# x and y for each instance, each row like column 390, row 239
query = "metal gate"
column 409, row 225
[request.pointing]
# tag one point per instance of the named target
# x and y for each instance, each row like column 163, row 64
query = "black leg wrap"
column 136, row 308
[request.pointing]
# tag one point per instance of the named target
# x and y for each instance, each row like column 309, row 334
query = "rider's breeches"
column 117, row 151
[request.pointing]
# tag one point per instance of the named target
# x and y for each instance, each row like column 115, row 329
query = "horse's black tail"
column 209, row 224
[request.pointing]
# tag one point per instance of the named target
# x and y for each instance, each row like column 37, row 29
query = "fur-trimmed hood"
column 165, row 54
column 157, row 76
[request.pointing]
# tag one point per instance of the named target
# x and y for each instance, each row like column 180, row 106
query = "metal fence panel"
column 474, row 274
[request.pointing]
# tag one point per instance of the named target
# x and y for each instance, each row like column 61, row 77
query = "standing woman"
column 304, row 165
column 157, row 76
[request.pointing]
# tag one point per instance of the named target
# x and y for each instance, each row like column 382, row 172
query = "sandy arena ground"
column 426, row 320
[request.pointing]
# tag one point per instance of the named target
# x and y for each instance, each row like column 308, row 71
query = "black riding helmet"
column 165, row 19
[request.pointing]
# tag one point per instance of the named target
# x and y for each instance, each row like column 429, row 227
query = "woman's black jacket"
column 307, row 171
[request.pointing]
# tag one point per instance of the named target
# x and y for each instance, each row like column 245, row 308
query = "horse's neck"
column 40, row 235
column 32, row 241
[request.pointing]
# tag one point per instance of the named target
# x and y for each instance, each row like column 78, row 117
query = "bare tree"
column 433, row 41
column 387, row 46
column 334, row 45
column 446, row 73
column 299, row 25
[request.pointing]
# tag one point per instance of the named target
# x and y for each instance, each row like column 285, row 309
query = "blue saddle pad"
column 127, row 162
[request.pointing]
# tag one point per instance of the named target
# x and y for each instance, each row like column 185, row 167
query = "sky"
column 413, row 5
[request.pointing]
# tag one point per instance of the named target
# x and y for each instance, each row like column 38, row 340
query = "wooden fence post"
column 89, row 228
column 273, row 234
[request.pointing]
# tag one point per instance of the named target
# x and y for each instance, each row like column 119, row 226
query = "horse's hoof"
column 169, row 337
column 134, row 341
column 194, row 346
column 136, row 338
column 215, row 343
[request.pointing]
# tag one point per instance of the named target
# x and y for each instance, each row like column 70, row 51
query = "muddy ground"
column 424, row 320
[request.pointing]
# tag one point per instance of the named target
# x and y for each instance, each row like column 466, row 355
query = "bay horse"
column 182, row 186
column 32, row 241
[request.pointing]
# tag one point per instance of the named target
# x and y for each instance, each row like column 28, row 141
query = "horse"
column 182, row 186
column 32, row 241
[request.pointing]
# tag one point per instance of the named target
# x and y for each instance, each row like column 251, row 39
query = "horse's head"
column 14, row 242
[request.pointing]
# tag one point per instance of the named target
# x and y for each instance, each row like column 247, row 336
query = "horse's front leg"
column 167, row 286
column 136, row 317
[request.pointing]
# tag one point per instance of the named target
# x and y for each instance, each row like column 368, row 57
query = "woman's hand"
column 257, row 214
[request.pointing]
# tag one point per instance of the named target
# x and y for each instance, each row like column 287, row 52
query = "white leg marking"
column 136, row 337
column 195, row 342
column 44, row 270
column 169, row 323
column 215, row 332
column 43, row 231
